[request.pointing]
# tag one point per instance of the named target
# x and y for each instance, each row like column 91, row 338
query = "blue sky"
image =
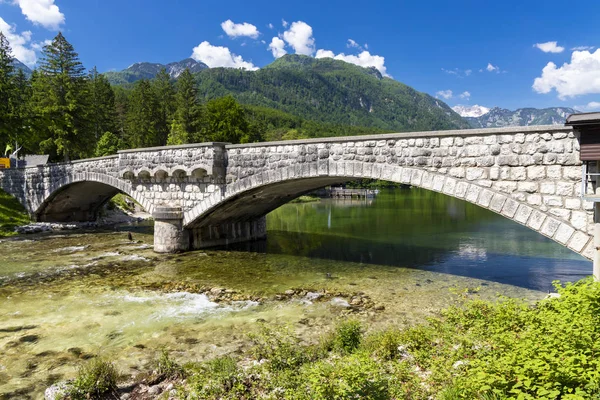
column 464, row 52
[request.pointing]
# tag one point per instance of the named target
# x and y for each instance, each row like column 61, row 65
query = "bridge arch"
column 79, row 196
column 254, row 196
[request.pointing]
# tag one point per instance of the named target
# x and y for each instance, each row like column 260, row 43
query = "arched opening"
column 199, row 173
column 80, row 201
column 161, row 174
column 179, row 174
column 128, row 175
column 144, row 175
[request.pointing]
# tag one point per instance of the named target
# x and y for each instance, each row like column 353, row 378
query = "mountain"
column 146, row 70
column 499, row 117
column 19, row 65
column 470, row 111
column 331, row 91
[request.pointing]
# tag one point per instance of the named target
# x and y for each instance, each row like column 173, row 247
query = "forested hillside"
column 68, row 112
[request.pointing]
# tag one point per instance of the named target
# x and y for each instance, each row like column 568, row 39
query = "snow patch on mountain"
column 470, row 111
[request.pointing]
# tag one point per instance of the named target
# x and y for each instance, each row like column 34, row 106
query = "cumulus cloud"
column 277, row 47
column 284, row 23
column 549, row 47
column 219, row 56
column 270, row 26
column 580, row 76
column 42, row 12
column 445, row 94
column 19, row 43
column 591, row 106
column 300, row 38
column 465, row 95
column 234, row 30
column 363, row 59
column 492, row 68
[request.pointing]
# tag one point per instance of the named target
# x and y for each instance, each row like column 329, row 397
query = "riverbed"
column 391, row 260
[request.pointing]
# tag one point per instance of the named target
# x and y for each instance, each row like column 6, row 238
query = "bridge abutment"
column 228, row 233
column 169, row 234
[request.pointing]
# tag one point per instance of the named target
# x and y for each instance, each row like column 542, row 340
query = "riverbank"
column 473, row 350
column 12, row 214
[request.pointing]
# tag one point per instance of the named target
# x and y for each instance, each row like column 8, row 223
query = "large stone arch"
column 78, row 196
column 240, row 200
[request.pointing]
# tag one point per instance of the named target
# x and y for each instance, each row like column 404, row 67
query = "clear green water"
column 66, row 297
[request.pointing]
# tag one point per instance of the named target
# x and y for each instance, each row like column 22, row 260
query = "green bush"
column 356, row 376
column 279, row 347
column 347, row 336
column 217, row 378
column 94, row 380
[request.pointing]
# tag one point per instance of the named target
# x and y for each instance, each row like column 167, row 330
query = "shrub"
column 94, row 379
column 347, row 336
column 279, row 347
column 216, row 378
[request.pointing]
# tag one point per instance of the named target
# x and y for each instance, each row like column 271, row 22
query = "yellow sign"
column 4, row 163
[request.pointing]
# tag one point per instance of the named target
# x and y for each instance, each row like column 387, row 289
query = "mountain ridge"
column 147, row 70
column 500, row 117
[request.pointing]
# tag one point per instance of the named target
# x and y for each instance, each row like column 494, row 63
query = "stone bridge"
column 215, row 193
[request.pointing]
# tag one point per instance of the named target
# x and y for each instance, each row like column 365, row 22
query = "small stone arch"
column 80, row 195
column 178, row 173
column 199, row 173
column 160, row 174
column 144, row 174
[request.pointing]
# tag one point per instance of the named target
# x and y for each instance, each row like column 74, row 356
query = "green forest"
column 69, row 112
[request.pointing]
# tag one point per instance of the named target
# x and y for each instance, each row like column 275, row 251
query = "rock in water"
column 129, row 236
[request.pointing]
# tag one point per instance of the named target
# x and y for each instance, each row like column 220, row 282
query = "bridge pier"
column 228, row 233
column 169, row 234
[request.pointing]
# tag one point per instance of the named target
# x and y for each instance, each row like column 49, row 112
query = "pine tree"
column 143, row 117
column 178, row 134
column 7, row 90
column 21, row 116
column 102, row 111
column 188, row 111
column 60, row 101
column 165, row 95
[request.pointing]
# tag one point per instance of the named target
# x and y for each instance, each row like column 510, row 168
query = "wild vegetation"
column 12, row 214
column 68, row 112
column 473, row 350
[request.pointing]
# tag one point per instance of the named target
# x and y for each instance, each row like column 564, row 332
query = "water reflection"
column 424, row 230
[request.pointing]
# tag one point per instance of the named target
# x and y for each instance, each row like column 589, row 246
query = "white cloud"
column 591, row 106
column 277, row 47
column 234, row 30
column 549, row 47
column 284, row 23
column 492, row 68
column 219, row 56
column 363, row 59
column 446, row 94
column 18, row 43
column 352, row 43
column 300, row 38
column 270, row 26
column 458, row 72
column 581, row 76
column 465, row 95
column 581, row 48
column 42, row 12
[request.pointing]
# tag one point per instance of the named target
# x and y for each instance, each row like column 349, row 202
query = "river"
column 398, row 258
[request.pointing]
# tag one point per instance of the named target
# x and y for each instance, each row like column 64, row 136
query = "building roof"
column 592, row 118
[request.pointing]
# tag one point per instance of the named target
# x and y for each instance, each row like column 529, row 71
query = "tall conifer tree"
column 102, row 111
column 60, row 101
column 143, row 117
column 165, row 95
column 6, row 92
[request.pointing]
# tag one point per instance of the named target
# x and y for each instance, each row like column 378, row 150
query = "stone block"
column 578, row 241
column 579, row 220
column 547, row 188
column 523, row 214
column 536, row 220
column 536, row 172
column 564, row 233
column 461, row 189
column 573, row 203
column 497, row 202
column 438, row 183
column 473, row 193
column 450, row 186
column 510, row 208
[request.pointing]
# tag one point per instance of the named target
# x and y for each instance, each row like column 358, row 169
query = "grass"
column 12, row 214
